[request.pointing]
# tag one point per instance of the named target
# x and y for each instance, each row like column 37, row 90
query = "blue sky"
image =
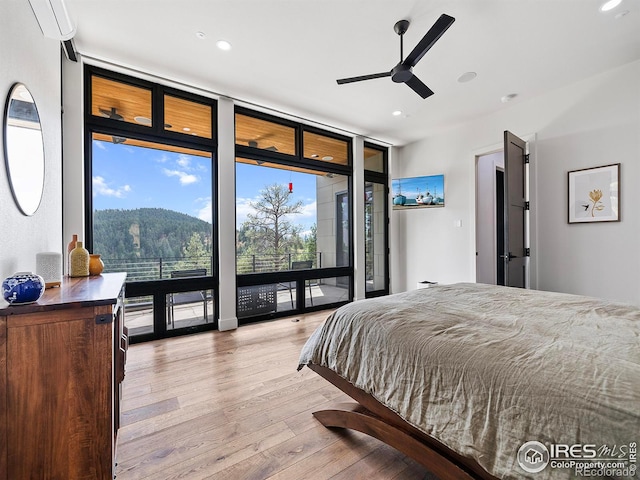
column 127, row 177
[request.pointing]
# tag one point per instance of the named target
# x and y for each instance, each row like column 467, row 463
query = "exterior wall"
column 327, row 190
column 379, row 221
column 376, row 164
column 28, row 57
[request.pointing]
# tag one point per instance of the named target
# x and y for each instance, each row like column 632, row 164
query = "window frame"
column 298, row 160
column 156, row 134
column 372, row 176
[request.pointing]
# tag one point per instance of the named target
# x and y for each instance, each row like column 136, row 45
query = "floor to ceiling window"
column 376, row 221
column 150, row 177
column 293, row 232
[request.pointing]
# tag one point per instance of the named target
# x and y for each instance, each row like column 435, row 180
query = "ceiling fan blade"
column 420, row 88
column 363, row 77
column 434, row 33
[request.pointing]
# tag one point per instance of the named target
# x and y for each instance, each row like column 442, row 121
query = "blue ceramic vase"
column 22, row 288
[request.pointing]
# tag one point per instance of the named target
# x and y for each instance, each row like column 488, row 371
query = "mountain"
column 145, row 233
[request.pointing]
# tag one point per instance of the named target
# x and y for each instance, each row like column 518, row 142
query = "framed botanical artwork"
column 594, row 194
column 418, row 192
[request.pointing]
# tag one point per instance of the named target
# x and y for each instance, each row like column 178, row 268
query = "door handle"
column 509, row 256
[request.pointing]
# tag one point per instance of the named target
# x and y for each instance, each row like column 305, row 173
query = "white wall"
column 73, row 198
column 226, row 189
column 593, row 122
column 486, row 221
column 27, row 57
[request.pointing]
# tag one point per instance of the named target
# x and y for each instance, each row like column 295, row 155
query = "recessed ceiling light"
column 201, row 35
column 186, row 129
column 624, row 13
column 508, row 98
column 143, row 120
column 467, row 77
column 314, row 155
column 327, row 158
column 610, row 5
column 396, row 113
column 223, row 45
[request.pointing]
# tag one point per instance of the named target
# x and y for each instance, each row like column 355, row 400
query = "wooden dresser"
column 61, row 364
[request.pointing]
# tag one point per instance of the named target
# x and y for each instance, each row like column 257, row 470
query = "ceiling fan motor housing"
column 401, row 73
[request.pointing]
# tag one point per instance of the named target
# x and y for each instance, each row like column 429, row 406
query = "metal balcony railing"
column 155, row 268
column 275, row 263
column 159, row 268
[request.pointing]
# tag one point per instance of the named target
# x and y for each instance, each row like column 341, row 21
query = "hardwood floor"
column 231, row 405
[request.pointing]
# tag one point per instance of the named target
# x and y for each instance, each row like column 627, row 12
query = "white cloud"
column 185, row 178
column 100, row 187
column 310, row 210
column 243, row 208
column 99, row 144
column 205, row 212
column 184, row 161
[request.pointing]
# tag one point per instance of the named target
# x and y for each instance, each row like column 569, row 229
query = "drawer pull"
column 104, row 318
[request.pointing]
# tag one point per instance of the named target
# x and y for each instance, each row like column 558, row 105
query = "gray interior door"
column 514, row 256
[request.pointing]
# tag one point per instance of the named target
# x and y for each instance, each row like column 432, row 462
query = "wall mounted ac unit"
column 53, row 18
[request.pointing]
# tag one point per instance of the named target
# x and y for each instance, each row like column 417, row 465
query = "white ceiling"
column 287, row 54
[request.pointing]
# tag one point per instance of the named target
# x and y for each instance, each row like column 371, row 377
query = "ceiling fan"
column 254, row 144
column 112, row 114
column 403, row 71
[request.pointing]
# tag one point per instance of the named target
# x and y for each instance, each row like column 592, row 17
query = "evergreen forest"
column 145, row 233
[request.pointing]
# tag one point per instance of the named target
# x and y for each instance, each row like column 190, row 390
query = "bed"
column 460, row 376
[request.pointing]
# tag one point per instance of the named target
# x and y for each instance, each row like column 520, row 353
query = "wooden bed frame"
column 372, row 418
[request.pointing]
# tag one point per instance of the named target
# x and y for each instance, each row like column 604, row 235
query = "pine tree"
column 269, row 230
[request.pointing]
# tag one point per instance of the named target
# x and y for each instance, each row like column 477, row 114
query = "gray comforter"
column 484, row 369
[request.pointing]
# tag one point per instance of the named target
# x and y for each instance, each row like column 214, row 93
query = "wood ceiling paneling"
column 373, row 160
column 320, row 147
column 130, row 102
column 134, row 105
column 265, row 134
column 127, row 100
column 180, row 114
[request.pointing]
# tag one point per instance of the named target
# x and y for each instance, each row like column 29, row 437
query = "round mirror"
column 24, row 149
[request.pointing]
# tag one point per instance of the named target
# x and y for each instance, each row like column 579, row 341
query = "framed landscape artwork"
column 418, row 192
column 594, row 194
